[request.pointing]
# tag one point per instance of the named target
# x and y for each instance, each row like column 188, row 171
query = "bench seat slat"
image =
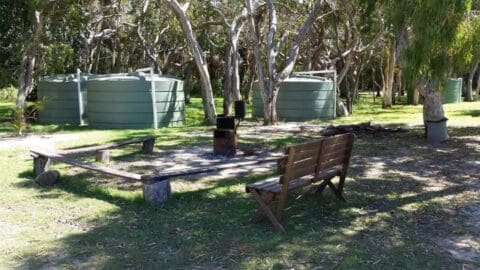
column 273, row 185
column 94, row 148
column 78, row 163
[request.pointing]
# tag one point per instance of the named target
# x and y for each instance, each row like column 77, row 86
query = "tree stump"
column 157, row 192
column 40, row 164
column 148, row 146
column 103, row 156
column 48, row 178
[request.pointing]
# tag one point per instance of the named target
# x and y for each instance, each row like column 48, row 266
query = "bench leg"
column 341, row 183
column 260, row 214
column 321, row 187
column 40, row 165
column 336, row 190
column 148, row 145
column 157, row 192
column 264, row 208
column 103, row 156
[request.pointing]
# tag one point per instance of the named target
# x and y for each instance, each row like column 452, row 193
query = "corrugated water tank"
column 300, row 98
column 121, row 101
column 453, row 91
column 63, row 99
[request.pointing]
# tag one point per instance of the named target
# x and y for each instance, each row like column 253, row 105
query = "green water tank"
column 60, row 100
column 124, row 101
column 300, row 98
column 453, row 91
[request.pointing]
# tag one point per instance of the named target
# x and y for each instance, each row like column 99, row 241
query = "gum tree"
column 199, row 55
column 433, row 27
column 269, row 75
column 467, row 49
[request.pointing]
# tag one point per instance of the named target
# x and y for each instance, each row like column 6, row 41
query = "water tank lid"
column 59, row 78
column 132, row 76
column 303, row 78
column 306, row 78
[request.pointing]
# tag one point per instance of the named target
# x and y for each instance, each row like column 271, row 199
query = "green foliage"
column 467, row 42
column 19, row 122
column 8, row 93
column 59, row 59
column 21, row 116
column 433, row 29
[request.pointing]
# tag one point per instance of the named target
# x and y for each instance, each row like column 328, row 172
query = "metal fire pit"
column 225, row 135
column 224, row 142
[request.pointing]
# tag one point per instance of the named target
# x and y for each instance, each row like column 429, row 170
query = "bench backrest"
column 302, row 160
column 313, row 157
column 336, row 152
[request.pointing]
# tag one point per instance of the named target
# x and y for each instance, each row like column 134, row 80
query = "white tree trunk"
column 389, row 75
column 432, row 104
column 269, row 78
column 27, row 66
column 200, row 60
column 232, row 69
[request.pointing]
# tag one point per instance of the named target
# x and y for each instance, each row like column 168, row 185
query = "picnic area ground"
column 409, row 205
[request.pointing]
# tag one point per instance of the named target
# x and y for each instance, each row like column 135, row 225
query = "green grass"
column 366, row 109
column 81, row 223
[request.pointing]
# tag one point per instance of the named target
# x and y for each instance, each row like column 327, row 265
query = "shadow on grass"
column 386, row 223
column 472, row 113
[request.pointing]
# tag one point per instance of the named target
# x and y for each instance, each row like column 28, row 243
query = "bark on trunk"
column 416, row 96
column 389, row 75
column 469, row 93
column 269, row 78
column 432, row 104
column 232, row 70
column 200, row 60
column 477, row 90
column 29, row 58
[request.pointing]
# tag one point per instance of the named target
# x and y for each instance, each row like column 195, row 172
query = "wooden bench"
column 305, row 164
column 103, row 153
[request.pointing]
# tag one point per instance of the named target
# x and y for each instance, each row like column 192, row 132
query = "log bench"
column 305, row 164
column 156, row 187
column 153, row 191
column 103, row 151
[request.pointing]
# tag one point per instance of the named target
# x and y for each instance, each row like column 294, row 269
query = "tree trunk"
column 416, row 96
column 432, row 104
column 269, row 75
column 270, row 106
column 25, row 78
column 27, row 65
column 200, row 60
column 477, row 90
column 469, row 93
column 389, row 75
column 232, row 70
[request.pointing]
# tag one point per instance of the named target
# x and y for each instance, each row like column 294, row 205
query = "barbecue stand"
column 225, row 135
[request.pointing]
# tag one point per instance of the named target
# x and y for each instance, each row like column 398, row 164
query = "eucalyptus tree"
column 345, row 41
column 233, row 28
column 270, row 77
column 35, row 20
column 467, row 49
column 102, row 29
column 199, row 55
column 157, row 33
column 428, row 54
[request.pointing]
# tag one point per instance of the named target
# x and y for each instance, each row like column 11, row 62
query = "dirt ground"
column 447, row 175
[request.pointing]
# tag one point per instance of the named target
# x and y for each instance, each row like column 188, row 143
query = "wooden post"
column 40, row 164
column 157, row 192
column 103, row 156
column 148, row 146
